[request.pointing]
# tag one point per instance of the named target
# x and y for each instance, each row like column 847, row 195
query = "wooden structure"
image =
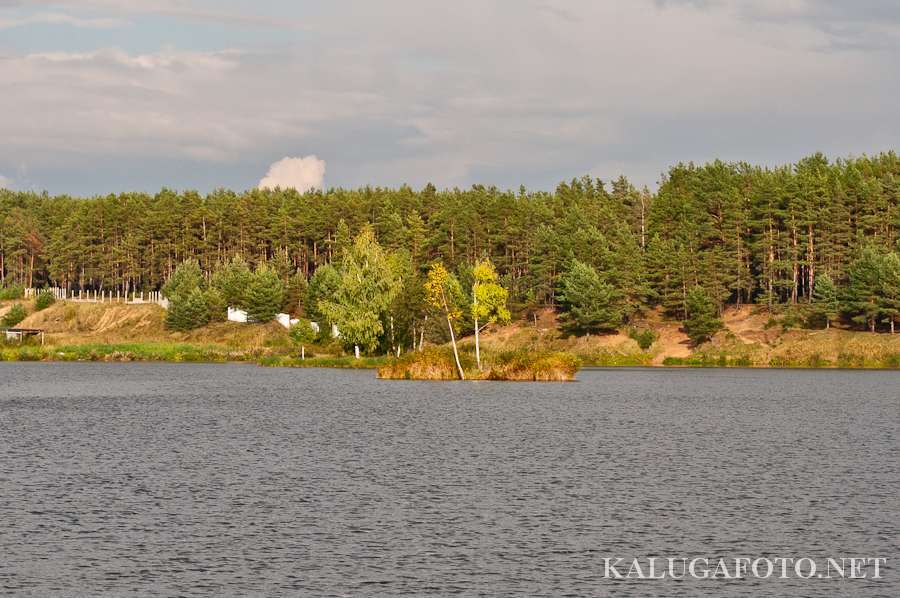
column 20, row 333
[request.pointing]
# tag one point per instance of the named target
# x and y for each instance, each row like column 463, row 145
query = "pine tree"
column 232, row 279
column 216, row 306
column 825, row 298
column 184, row 280
column 864, row 288
column 890, row 288
column 187, row 311
column 702, row 320
column 588, row 304
column 295, row 294
column 265, row 295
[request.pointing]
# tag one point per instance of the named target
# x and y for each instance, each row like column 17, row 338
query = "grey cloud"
column 857, row 25
column 499, row 93
column 185, row 10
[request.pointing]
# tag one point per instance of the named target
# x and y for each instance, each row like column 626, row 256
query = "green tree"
column 302, row 333
column 216, row 306
column 363, row 297
column 187, row 311
column 265, row 295
column 295, row 294
column 322, row 287
column 184, row 280
column 488, row 300
column 702, row 320
column 825, row 298
column 890, row 288
column 444, row 293
column 863, row 300
column 588, row 304
column 232, row 279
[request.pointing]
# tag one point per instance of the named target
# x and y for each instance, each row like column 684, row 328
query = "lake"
column 234, row 480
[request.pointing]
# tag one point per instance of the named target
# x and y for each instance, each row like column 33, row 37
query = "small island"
column 438, row 363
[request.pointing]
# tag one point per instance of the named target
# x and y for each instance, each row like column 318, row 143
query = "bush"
column 15, row 315
column 794, row 317
column 644, row 337
column 44, row 300
column 527, row 365
column 12, row 292
column 302, row 333
column 816, row 319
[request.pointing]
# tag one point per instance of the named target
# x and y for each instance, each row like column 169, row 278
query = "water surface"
column 233, row 480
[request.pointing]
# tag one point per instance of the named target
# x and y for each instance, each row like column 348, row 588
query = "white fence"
column 102, row 296
column 239, row 315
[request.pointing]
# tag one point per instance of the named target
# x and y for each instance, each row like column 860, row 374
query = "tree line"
column 739, row 233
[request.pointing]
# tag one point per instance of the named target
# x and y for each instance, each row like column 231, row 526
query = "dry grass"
column 70, row 323
column 438, row 363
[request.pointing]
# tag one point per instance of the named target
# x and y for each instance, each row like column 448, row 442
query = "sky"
column 100, row 96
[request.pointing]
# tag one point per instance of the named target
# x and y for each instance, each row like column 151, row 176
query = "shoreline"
column 348, row 362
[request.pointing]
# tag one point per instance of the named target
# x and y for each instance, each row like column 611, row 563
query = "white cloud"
column 5, row 183
column 302, row 174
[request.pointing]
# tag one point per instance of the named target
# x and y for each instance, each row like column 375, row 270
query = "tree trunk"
column 477, row 347
column 422, row 335
column 462, row 376
column 356, row 351
column 811, row 259
column 394, row 347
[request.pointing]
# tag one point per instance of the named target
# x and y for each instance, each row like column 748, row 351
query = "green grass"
column 340, row 361
column 708, row 361
column 171, row 352
column 616, row 359
column 178, row 352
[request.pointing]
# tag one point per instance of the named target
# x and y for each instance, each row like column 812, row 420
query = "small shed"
column 18, row 334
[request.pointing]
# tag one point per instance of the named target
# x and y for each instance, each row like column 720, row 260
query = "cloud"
column 859, row 25
column 5, row 183
column 183, row 10
column 502, row 92
column 62, row 19
column 302, row 174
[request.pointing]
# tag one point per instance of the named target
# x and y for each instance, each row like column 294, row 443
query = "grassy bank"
column 438, row 363
column 124, row 352
column 178, row 353
column 752, row 337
